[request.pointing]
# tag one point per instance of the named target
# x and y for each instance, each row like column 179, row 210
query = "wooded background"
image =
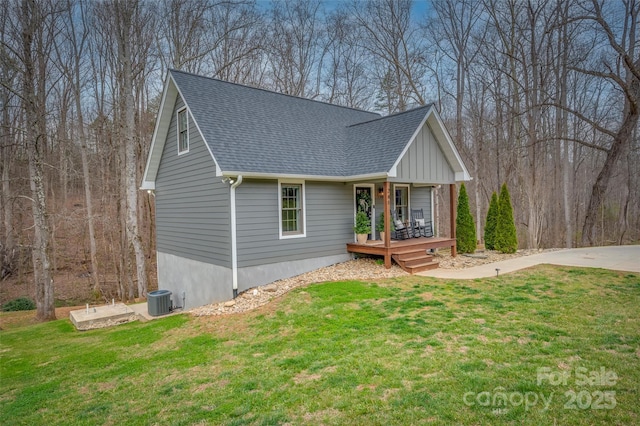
column 541, row 94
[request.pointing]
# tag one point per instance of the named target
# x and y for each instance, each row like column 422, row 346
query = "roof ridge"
column 429, row 105
column 172, row 70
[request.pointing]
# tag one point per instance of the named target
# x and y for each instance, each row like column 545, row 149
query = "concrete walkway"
column 619, row 258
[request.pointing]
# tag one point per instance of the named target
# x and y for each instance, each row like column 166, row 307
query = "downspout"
column 234, row 239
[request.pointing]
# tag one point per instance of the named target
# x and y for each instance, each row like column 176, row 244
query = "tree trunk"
column 630, row 88
column 567, row 198
column 601, row 185
column 624, row 212
column 124, row 28
column 7, row 153
column 89, row 203
column 76, row 81
column 36, row 142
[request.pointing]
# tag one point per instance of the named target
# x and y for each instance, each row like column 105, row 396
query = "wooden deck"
column 410, row 254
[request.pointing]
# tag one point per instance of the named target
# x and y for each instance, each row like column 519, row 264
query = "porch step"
column 422, row 267
column 412, row 255
column 411, row 249
column 415, row 261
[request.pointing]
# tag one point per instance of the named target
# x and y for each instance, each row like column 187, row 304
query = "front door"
column 364, row 200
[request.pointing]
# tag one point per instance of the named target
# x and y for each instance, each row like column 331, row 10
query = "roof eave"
column 148, row 186
column 327, row 178
column 160, row 132
column 449, row 149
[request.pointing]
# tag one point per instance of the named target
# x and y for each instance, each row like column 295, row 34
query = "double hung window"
column 291, row 209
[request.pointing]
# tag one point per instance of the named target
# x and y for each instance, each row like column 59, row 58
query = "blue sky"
column 419, row 6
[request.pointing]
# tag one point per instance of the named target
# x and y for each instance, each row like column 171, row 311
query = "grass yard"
column 550, row 345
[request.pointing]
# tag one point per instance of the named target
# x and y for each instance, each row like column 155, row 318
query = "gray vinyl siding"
column 192, row 204
column 329, row 223
column 424, row 161
column 421, row 199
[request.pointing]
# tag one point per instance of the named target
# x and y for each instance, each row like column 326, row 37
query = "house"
column 252, row 186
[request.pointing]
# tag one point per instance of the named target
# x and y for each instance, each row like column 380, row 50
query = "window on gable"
column 292, row 209
column 183, row 131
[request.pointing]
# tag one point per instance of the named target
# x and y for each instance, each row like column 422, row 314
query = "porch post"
column 387, row 233
column 452, row 206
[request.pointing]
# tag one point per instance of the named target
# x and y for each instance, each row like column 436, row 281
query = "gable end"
column 430, row 156
column 163, row 123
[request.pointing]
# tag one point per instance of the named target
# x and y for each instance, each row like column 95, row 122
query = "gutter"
column 355, row 178
column 234, row 238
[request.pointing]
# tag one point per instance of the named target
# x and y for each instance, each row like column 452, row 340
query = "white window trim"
column 184, row 108
column 408, row 197
column 372, row 187
column 303, row 234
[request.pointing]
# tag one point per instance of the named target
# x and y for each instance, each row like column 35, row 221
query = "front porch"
column 411, row 254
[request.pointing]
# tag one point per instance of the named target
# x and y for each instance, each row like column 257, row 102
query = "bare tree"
column 238, row 34
column 36, row 34
column 219, row 38
column 392, row 39
column 8, row 77
column 184, row 39
column 347, row 71
column 454, row 30
column 296, row 47
column 561, row 123
column 128, row 23
column 620, row 66
column 71, row 59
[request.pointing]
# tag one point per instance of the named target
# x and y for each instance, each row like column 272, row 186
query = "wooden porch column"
column 387, row 232
column 452, row 205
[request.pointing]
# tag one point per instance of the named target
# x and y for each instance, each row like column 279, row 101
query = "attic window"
column 291, row 210
column 183, row 131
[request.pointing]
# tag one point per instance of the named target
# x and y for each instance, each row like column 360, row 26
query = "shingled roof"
column 257, row 132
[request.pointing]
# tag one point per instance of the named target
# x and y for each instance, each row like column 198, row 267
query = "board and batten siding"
column 421, row 199
column 424, row 161
column 192, row 204
column 329, row 223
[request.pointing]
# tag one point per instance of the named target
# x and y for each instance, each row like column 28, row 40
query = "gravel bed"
column 354, row 269
column 357, row 269
column 480, row 257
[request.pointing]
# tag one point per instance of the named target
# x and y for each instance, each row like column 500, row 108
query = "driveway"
column 619, row 258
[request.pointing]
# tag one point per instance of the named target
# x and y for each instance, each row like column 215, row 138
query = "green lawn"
column 544, row 346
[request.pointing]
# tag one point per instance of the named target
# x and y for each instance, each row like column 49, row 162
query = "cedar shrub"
column 465, row 228
column 506, row 239
column 490, row 225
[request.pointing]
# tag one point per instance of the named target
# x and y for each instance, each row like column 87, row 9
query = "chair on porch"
column 419, row 226
column 401, row 231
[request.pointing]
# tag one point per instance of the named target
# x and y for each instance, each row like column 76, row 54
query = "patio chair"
column 401, row 231
column 419, row 226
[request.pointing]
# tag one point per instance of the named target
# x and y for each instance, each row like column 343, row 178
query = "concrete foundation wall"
column 202, row 283
column 254, row 276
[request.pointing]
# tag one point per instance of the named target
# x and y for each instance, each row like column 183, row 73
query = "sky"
column 420, row 7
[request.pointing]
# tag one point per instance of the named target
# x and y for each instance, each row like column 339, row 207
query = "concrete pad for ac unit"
column 110, row 315
column 102, row 316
